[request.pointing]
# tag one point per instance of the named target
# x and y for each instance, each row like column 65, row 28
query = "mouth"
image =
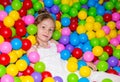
column 45, row 36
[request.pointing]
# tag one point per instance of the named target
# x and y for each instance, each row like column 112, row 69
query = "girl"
column 47, row 49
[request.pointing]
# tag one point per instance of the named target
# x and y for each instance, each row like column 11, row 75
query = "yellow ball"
column 48, row 79
column 100, row 33
column 97, row 50
column 8, row 21
column 72, row 66
column 91, row 34
column 85, row 71
column 113, row 33
column 32, row 39
column 14, row 15
column 19, row 52
column 90, row 19
column 82, row 15
column 1, row 39
column 118, row 46
column 108, row 37
column 27, row 79
column 89, row 26
column 97, row 26
column 118, row 31
column 65, row 1
column 21, row 78
column 58, row 25
column 12, row 70
column 21, row 65
column 101, row 1
column 111, row 25
column 13, row 57
column 72, row 59
column 81, row 29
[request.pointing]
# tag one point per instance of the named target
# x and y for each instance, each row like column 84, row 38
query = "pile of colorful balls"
column 87, row 29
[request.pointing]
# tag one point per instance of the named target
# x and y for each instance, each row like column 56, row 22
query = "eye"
column 43, row 26
column 51, row 30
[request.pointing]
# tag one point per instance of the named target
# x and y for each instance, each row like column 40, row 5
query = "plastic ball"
column 115, row 16
column 25, row 57
column 116, row 53
column 37, row 76
column 21, row 65
column 65, row 54
column 103, row 41
column 32, row 29
column 37, row 6
column 14, row 15
column 85, row 71
column 58, row 79
column 16, row 5
column 8, row 21
column 13, row 31
column 92, row 11
column 17, row 79
column 97, row 50
column 2, row 70
column 82, row 15
column 111, row 25
column 90, row 19
column 107, row 17
column 66, row 31
column 46, row 74
column 21, row 31
column 48, row 79
column 99, row 18
column 28, row 71
column 83, row 79
column 77, row 53
column 65, row 21
column 7, row 78
column 8, row 8
column 12, row 70
column 58, row 25
column 13, row 57
column 56, row 35
column 106, row 29
column 100, row 33
column 55, row 9
column 104, row 56
column 69, row 47
column 48, row 3
column 113, row 61
column 72, row 66
column 73, row 12
column 60, row 47
column 72, row 77
column 19, row 52
column 64, row 39
column 113, row 33
column 112, row 71
column 81, row 63
column 33, row 57
column 28, row 79
column 114, row 42
column 74, row 39
column 102, row 66
column 31, row 11
column 65, row 8
column 91, row 34
column 107, row 80
column 94, row 42
column 108, row 49
column 83, row 1
column 109, row 5
column 1, row 7
column 5, row 47
column 83, row 38
column 3, row 14
column 118, row 25
column 72, row 59
column 73, row 26
column 22, row 12
column 16, row 43
column 32, row 39
column 26, row 44
column 88, row 56
column 29, row 19
column 27, row 4
column 100, row 10
column 39, row 67
column 86, row 47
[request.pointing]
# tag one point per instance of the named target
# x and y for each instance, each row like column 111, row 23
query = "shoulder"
column 33, row 48
column 54, row 41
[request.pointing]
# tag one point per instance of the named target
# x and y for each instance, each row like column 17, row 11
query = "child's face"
column 45, row 30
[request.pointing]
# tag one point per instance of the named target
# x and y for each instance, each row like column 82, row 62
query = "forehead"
column 47, row 21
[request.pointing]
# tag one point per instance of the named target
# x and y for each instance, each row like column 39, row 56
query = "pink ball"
column 96, row 62
column 114, row 42
column 115, row 16
column 106, row 29
column 66, row 31
column 34, row 57
column 60, row 47
column 29, row 19
column 5, row 47
column 88, row 56
column 3, row 14
column 118, row 25
column 118, row 37
column 7, row 78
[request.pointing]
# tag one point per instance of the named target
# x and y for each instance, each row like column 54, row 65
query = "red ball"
column 108, row 49
column 1, row 25
column 46, row 74
column 114, row 10
column 58, row 16
column 28, row 71
column 22, row 12
column 19, row 23
column 107, row 17
column 77, row 53
column 73, row 26
column 21, row 31
column 26, row 44
column 6, row 32
column 4, row 59
column 95, row 59
column 27, row 4
column 74, row 20
column 112, row 71
column 5, row 2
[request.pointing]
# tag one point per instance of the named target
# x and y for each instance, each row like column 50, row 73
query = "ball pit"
column 87, row 31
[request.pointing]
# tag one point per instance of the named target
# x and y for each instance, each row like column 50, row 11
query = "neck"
column 42, row 43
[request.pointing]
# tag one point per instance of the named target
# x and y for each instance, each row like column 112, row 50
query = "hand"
column 91, row 65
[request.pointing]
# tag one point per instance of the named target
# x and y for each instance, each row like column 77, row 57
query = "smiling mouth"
column 45, row 36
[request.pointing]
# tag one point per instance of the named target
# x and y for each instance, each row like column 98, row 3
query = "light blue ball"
column 74, row 39
column 24, row 57
column 83, row 38
column 65, row 21
column 100, row 10
column 16, row 43
column 81, row 63
column 83, row 79
column 48, row 3
column 86, row 47
column 8, row 8
column 65, row 54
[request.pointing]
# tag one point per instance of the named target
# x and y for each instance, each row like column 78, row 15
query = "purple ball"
column 37, row 77
column 85, row 6
column 55, row 9
column 69, row 47
column 113, row 61
column 58, row 79
column 64, row 40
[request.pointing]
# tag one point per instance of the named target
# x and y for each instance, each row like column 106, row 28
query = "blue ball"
column 24, row 57
column 74, row 39
column 65, row 21
column 116, row 68
column 8, row 8
column 83, row 38
column 53, row 16
column 65, row 54
column 83, row 79
column 86, row 47
column 16, row 43
column 48, row 3
column 81, row 63
column 91, row 3
column 100, row 10
column 80, row 45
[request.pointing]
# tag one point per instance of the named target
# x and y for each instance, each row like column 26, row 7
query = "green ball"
column 117, row 5
column 83, row 1
column 109, row 5
column 73, row 12
column 39, row 67
column 103, row 41
column 32, row 29
column 99, row 18
column 65, row 8
column 16, row 5
column 107, row 80
column 104, row 56
column 34, row 1
column 102, row 66
column 82, row 22
column 31, row 11
column 1, row 7
column 92, row 11
column 116, row 53
column 94, row 42
column 77, row 6
column 113, row 47
column 56, row 35
column 114, row 1
column 2, row 70
column 17, row 79
column 13, row 31
column 37, row 6
column 72, row 77
column 56, row 2
column 65, row 15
